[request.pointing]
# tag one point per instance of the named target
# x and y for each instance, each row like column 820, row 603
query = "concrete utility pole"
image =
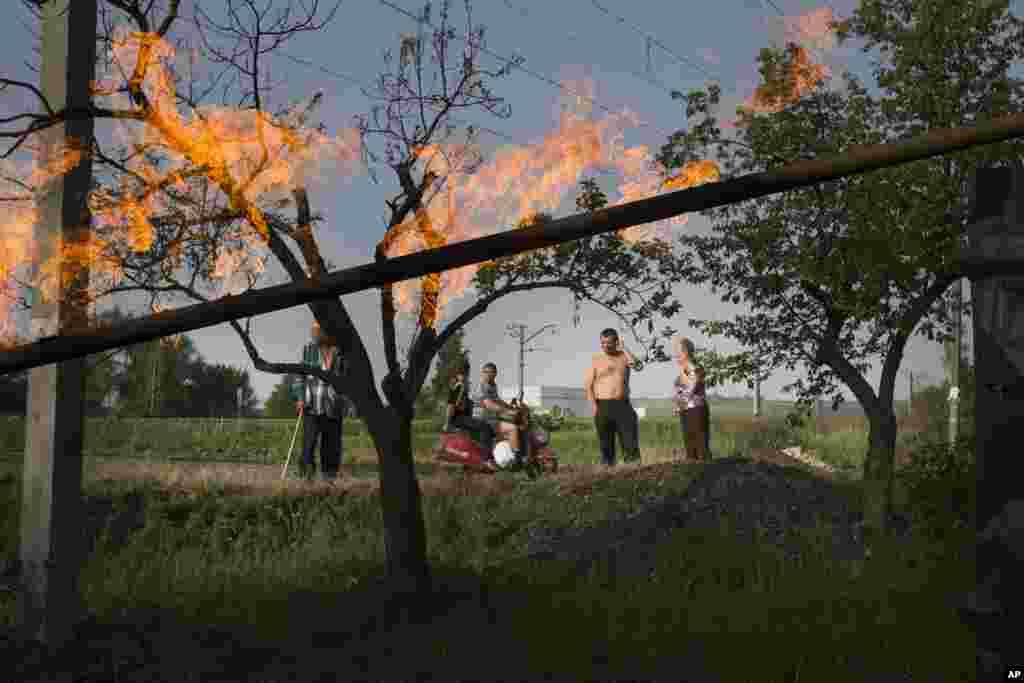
column 154, row 379
column 953, row 361
column 757, row 396
column 51, row 549
column 518, row 331
column 910, row 401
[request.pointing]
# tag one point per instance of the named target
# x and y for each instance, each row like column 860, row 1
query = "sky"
column 634, row 53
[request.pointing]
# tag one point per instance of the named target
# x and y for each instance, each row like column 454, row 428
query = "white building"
column 571, row 400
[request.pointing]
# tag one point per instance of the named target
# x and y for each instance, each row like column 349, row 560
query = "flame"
column 693, row 173
column 799, row 74
column 521, row 181
column 253, row 158
column 784, row 83
column 814, row 28
column 171, row 341
column 56, row 161
column 229, row 265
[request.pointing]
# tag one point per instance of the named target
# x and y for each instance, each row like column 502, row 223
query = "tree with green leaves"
column 452, row 355
column 215, row 392
column 101, row 372
column 13, row 393
column 631, row 279
column 279, row 403
column 841, row 274
column 204, row 215
column 157, row 377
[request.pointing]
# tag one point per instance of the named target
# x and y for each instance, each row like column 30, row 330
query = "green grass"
column 277, row 569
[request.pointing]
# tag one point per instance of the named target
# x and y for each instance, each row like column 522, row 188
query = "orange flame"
column 800, row 74
column 813, row 28
column 785, row 83
column 521, row 181
column 252, row 157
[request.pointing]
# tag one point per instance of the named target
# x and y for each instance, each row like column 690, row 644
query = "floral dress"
column 690, row 394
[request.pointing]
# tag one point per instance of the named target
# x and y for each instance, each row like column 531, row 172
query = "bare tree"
column 186, row 200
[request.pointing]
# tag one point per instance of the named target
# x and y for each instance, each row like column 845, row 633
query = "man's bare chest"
column 609, row 367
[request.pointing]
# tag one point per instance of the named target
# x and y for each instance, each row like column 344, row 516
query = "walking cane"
column 290, row 448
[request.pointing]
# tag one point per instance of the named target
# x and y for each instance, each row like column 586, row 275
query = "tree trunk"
column 405, row 537
column 879, row 468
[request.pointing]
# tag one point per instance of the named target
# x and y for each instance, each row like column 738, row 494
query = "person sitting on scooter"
column 503, row 417
column 460, row 411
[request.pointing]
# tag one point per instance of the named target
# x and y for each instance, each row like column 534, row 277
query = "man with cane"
column 320, row 407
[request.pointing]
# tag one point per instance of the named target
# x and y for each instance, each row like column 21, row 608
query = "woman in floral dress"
column 691, row 403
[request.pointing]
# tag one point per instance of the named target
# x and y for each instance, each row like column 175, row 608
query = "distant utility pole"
column 757, row 395
column 49, row 603
column 155, row 376
column 953, row 361
column 518, row 331
column 910, row 401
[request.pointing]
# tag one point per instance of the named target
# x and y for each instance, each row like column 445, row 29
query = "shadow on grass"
column 713, row 610
column 223, row 587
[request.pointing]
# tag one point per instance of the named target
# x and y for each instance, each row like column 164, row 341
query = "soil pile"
column 761, row 496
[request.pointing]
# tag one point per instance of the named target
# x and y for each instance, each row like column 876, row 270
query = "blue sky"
column 634, row 53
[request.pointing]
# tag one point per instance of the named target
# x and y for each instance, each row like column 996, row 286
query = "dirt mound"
column 762, row 497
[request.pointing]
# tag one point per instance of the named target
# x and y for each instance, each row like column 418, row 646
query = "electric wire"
column 646, row 79
column 515, row 64
column 778, row 10
column 654, row 40
column 364, row 84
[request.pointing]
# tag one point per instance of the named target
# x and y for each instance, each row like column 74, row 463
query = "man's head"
column 609, row 340
column 488, row 372
column 460, row 371
column 321, row 337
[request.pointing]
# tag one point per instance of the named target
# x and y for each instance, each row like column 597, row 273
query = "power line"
column 654, row 41
column 646, row 78
column 364, row 84
column 778, row 10
column 511, row 62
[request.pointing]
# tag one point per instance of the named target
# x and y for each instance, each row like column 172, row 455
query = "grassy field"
column 228, row 568
column 267, row 440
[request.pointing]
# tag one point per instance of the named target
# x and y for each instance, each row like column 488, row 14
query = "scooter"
column 458, row 447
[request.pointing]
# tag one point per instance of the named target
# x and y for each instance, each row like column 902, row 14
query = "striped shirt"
column 319, row 397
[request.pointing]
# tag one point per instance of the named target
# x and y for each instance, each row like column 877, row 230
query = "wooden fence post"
column 51, row 530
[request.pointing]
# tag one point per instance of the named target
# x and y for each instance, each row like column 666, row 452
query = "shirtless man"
column 607, row 387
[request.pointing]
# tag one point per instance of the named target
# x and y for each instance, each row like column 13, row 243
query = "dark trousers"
column 616, row 416
column 326, row 430
column 483, row 431
column 704, row 415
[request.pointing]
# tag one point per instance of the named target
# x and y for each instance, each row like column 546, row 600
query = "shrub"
column 775, row 433
column 940, row 483
column 930, row 407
